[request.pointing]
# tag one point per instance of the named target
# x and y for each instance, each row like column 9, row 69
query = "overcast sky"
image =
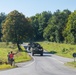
column 31, row 7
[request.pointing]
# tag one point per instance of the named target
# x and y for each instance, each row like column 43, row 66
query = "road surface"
column 48, row 64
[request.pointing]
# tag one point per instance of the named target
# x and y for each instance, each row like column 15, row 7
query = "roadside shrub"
column 65, row 50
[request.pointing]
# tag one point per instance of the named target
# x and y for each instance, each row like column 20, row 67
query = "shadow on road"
column 38, row 55
column 45, row 54
column 53, row 52
column 48, row 54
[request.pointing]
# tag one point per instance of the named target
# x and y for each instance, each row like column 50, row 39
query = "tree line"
column 59, row 26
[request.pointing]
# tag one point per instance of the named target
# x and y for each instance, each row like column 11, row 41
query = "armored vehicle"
column 37, row 49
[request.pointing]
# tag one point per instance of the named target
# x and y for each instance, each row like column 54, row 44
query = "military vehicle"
column 37, row 49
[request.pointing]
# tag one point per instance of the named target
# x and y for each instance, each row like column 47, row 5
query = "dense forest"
column 59, row 26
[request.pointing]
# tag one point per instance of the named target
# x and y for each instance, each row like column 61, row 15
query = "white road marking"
column 58, row 60
column 31, row 62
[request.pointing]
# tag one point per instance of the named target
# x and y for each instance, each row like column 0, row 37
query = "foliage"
column 15, row 28
column 56, row 24
column 2, row 17
column 55, row 27
column 70, row 30
column 39, row 22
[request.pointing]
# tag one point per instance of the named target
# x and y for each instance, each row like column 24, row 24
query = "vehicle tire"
column 41, row 54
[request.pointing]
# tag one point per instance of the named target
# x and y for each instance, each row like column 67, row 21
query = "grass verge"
column 21, row 56
column 4, row 66
column 71, row 64
column 65, row 50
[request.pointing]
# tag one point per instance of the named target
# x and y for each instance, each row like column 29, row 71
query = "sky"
column 32, row 7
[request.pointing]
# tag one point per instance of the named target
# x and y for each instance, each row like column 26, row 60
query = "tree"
column 69, row 32
column 2, row 17
column 39, row 22
column 16, row 28
column 35, row 25
column 43, row 22
column 56, row 24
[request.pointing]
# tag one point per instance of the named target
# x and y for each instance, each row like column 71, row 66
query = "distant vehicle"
column 28, row 47
column 37, row 49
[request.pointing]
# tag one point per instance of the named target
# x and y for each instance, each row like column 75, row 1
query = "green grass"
column 65, row 50
column 19, row 57
column 71, row 64
column 4, row 66
column 22, row 56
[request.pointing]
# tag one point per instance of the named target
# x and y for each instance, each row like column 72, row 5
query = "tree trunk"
column 19, row 48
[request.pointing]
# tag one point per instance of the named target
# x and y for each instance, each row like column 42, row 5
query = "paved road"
column 42, row 65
